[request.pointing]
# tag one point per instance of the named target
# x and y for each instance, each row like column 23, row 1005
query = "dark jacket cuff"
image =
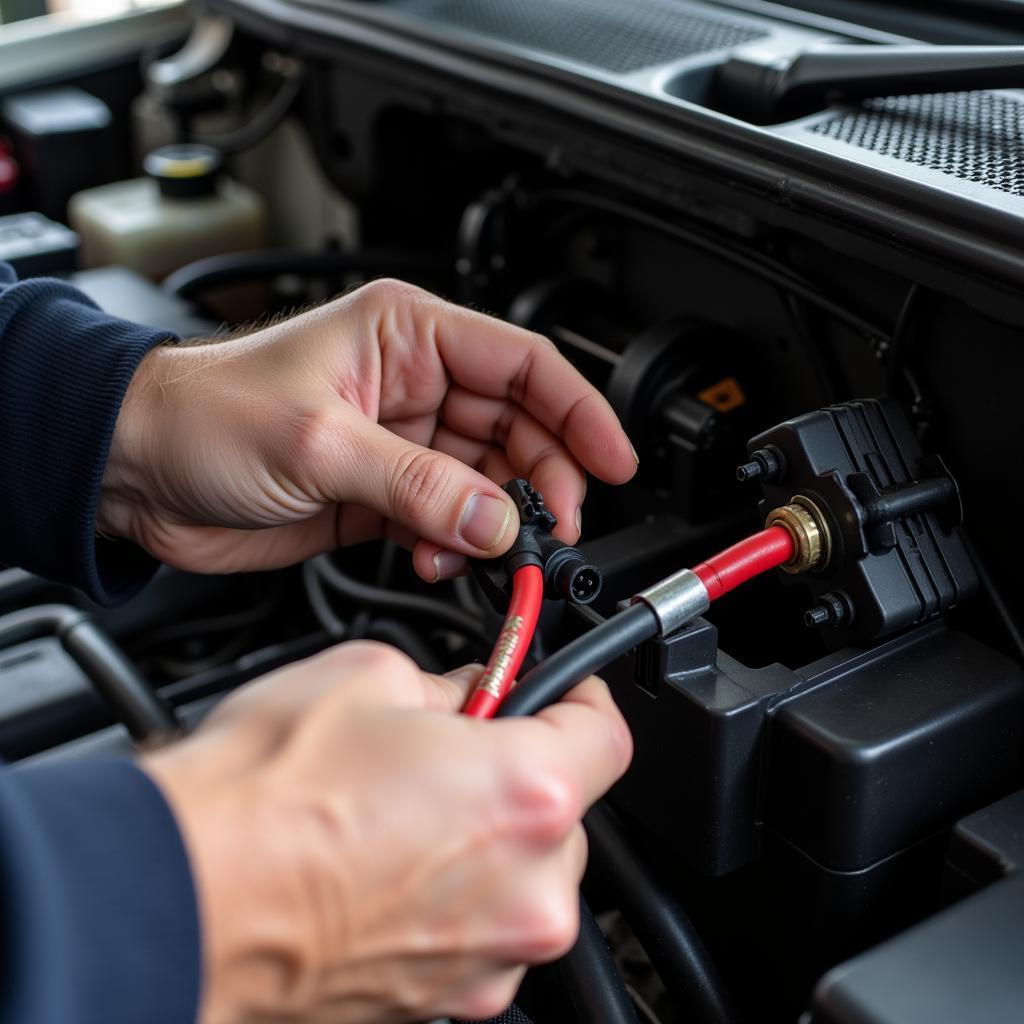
column 64, row 369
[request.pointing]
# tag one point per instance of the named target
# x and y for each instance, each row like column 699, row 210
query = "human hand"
column 386, row 412
column 362, row 853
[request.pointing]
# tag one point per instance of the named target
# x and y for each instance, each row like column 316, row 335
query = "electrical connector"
column 567, row 572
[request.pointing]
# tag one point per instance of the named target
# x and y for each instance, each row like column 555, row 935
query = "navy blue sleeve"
column 99, row 920
column 64, row 368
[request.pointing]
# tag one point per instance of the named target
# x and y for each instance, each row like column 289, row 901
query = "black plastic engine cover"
column 850, row 760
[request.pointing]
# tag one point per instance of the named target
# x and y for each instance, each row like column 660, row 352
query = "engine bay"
column 802, row 297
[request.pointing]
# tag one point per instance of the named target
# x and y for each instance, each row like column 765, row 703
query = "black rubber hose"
column 129, row 697
column 659, row 923
column 554, row 677
column 320, row 603
column 513, row 1015
column 261, row 264
column 262, row 123
column 397, row 602
column 408, row 641
column 592, row 979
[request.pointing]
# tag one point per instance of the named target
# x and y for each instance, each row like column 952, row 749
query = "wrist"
column 124, row 490
column 242, row 968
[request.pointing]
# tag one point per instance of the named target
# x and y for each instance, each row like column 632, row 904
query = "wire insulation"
column 557, row 675
column 250, row 265
column 435, row 612
column 659, row 922
column 591, row 978
column 751, row 557
column 513, row 643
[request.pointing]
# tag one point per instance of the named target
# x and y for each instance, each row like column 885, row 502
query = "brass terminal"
column 806, row 524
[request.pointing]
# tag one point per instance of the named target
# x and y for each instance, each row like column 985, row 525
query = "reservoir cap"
column 185, row 170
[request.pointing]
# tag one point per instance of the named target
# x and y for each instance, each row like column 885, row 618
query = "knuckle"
column 421, row 485
column 378, row 658
column 312, row 440
column 621, row 740
column 555, row 927
column 549, row 802
column 489, row 1000
column 389, row 291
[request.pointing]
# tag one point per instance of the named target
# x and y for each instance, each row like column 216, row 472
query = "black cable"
column 211, row 625
column 587, row 613
column 513, row 1015
column 553, row 678
column 320, row 603
column 767, row 269
column 899, row 365
column 385, row 566
column 659, row 922
column 436, row 612
column 261, row 264
column 592, row 979
column 589, row 973
column 264, row 122
column 127, row 694
column 821, row 366
column 408, row 641
column 998, row 602
column 901, row 334
column 183, row 667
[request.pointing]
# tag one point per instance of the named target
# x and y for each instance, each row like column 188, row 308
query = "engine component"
column 116, row 680
column 46, row 699
column 674, row 386
column 51, row 129
column 33, row 245
column 882, row 517
column 962, row 964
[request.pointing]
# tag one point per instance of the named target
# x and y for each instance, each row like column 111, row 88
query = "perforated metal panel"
column 977, row 136
column 614, row 35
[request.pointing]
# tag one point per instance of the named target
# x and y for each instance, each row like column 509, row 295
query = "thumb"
column 436, row 496
column 451, row 690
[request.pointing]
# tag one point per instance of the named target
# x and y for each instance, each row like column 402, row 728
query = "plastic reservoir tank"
column 184, row 209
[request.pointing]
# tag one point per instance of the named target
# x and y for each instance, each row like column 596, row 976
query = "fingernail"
column 448, row 564
column 484, row 520
column 470, row 671
column 636, row 458
column 579, row 520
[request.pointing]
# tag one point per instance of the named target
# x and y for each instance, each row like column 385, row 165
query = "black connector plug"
column 567, row 573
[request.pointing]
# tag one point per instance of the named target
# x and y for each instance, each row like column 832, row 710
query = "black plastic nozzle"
column 567, row 572
column 765, row 465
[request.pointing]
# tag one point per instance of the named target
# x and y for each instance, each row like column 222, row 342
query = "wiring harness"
column 662, row 609
column 588, row 970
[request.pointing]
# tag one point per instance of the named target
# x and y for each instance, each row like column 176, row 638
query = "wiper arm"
column 766, row 86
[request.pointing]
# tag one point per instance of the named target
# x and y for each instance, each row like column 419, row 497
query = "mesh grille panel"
column 977, row 136
column 616, row 35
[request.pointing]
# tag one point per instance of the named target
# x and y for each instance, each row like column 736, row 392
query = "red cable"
column 513, row 643
column 743, row 561
column 721, row 573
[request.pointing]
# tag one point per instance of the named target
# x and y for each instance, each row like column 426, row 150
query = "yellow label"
column 724, row 396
